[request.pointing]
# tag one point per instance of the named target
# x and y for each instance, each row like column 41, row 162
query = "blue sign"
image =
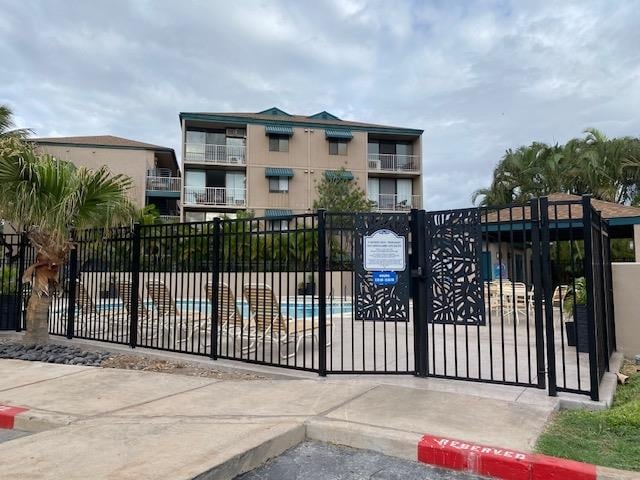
column 385, row 278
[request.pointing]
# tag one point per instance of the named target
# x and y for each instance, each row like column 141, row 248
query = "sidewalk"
column 107, row 423
column 110, row 423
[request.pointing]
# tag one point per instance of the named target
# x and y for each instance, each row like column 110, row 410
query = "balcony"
column 215, row 154
column 215, row 196
column 163, row 184
column 397, row 203
column 382, row 162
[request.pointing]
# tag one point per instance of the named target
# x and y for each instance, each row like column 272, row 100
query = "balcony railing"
column 169, row 218
column 217, row 196
column 397, row 203
column 382, row 162
column 216, row 154
column 165, row 184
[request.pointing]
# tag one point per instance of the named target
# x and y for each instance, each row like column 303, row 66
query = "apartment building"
column 154, row 169
column 269, row 162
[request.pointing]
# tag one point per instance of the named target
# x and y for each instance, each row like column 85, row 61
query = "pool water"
column 297, row 309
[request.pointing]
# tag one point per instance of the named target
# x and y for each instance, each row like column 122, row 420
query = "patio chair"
column 559, row 295
column 166, row 309
column 268, row 323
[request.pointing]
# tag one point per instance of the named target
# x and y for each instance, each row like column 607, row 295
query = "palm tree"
column 7, row 124
column 47, row 198
column 607, row 168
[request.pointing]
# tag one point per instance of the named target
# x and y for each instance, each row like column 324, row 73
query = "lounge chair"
column 228, row 315
column 167, row 310
column 268, row 323
column 90, row 319
column 147, row 321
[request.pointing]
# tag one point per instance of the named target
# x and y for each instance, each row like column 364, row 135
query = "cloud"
column 478, row 77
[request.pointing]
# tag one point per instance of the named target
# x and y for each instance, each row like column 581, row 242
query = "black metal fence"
column 517, row 295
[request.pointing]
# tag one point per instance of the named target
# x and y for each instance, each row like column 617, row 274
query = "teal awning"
column 278, row 130
column 339, row 174
column 278, row 213
column 343, row 133
column 278, row 172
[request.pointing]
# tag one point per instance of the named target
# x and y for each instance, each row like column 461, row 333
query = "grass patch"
column 610, row 438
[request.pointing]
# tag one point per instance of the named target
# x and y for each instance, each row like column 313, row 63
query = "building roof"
column 276, row 115
column 98, row 141
column 565, row 211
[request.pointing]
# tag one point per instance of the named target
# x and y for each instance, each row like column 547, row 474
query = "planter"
column 9, row 311
column 578, row 330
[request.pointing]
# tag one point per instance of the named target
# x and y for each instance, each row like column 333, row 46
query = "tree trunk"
column 37, row 319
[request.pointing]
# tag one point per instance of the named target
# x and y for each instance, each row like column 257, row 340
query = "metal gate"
column 478, row 324
column 498, row 295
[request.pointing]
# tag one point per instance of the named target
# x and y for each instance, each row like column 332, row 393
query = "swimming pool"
column 298, row 308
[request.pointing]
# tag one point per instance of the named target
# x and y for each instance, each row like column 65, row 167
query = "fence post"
column 540, row 294
column 587, row 220
column 21, row 267
column 419, row 291
column 135, row 286
column 73, row 278
column 215, row 285
column 547, row 285
column 322, row 293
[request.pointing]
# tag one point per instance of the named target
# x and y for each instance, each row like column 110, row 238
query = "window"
column 337, row 147
column 278, row 144
column 278, row 184
column 201, row 145
column 278, row 225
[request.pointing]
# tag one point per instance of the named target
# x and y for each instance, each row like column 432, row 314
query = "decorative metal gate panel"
column 453, row 267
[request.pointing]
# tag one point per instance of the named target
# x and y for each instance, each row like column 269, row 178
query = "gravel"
column 70, row 355
column 138, row 362
column 52, row 353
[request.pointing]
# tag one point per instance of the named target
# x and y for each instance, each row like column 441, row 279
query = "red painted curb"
column 499, row 463
column 8, row 414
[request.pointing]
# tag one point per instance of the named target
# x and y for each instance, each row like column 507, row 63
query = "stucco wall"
column 626, row 304
column 305, row 148
column 133, row 163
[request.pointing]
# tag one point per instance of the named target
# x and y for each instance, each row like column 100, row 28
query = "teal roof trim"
column 339, row 175
column 278, row 172
column 324, row 115
column 240, row 120
column 274, row 111
column 278, row 130
column 162, row 193
column 278, row 213
column 620, row 221
column 343, row 133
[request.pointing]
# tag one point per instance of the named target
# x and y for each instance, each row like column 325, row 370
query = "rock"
column 52, row 353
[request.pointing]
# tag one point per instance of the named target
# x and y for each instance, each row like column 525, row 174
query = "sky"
column 478, row 77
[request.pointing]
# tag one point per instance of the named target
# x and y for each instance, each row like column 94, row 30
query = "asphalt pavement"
column 320, row 461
